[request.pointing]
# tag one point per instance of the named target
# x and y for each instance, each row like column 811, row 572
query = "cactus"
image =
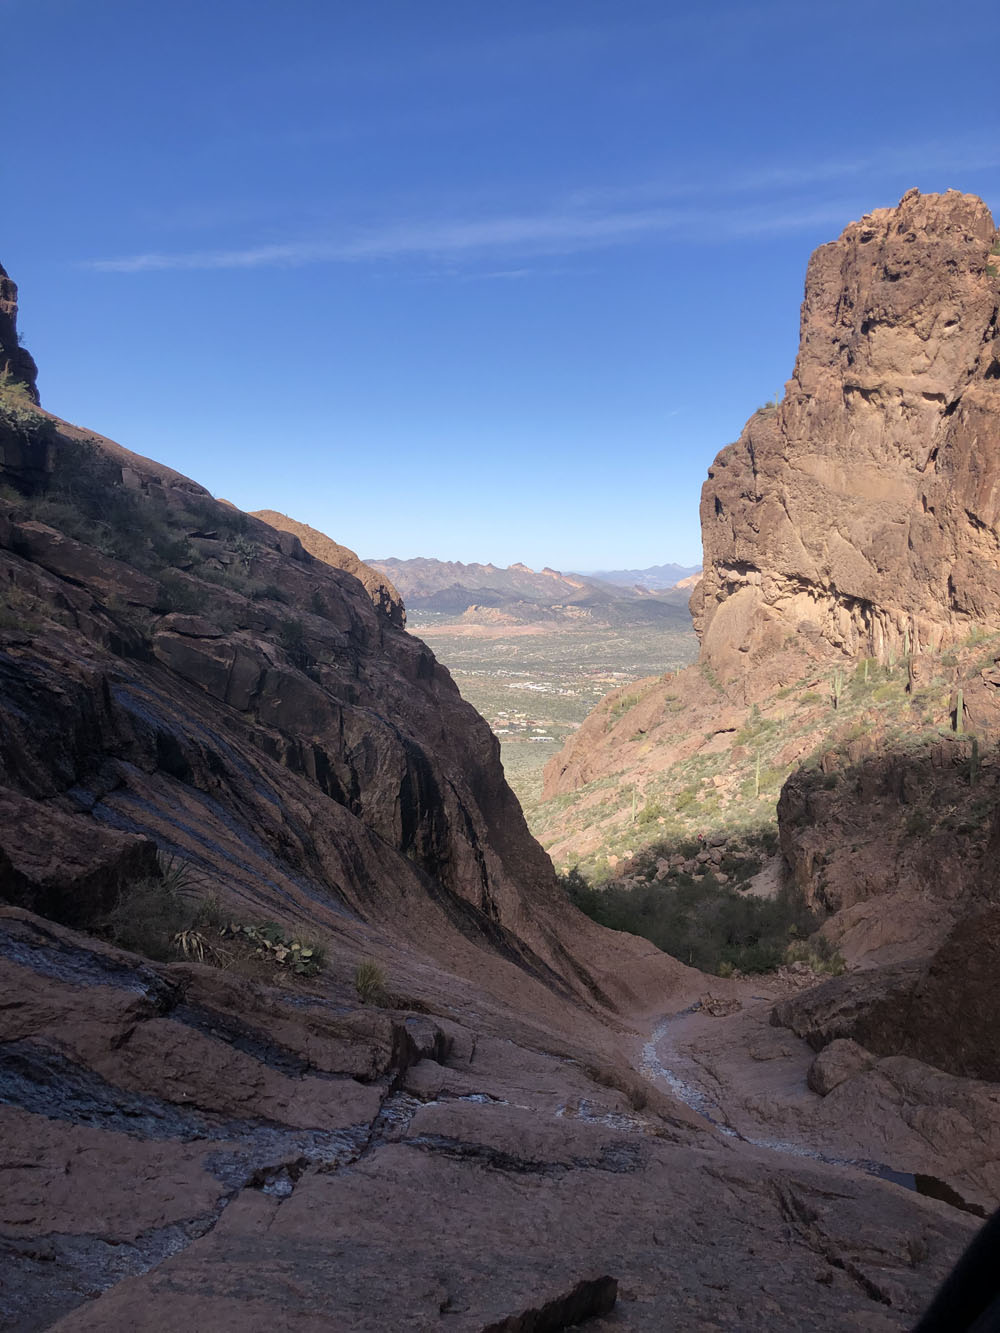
column 838, row 687
column 866, row 670
column 959, row 713
column 756, row 777
column 974, row 762
column 906, row 641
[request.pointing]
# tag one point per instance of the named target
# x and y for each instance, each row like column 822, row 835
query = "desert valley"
column 307, row 1024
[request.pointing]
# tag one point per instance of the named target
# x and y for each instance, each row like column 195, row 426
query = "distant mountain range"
column 656, row 577
column 518, row 594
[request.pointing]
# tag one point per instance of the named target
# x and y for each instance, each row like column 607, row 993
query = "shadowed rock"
column 593, row 1296
column 379, row 588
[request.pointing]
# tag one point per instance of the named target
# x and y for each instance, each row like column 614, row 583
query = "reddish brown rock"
column 858, row 512
column 379, row 588
column 52, row 863
column 943, row 1010
column 16, row 363
column 836, row 1063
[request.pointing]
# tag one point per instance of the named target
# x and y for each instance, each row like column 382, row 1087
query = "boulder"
column 62, row 867
column 836, row 1063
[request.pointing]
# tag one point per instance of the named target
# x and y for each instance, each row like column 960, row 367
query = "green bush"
column 706, row 925
column 818, row 954
column 272, row 943
column 150, row 913
column 650, row 813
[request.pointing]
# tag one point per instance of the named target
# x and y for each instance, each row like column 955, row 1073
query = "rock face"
column 188, row 1150
column 16, row 363
column 861, row 511
column 943, row 1010
column 380, row 590
column 857, row 517
column 310, row 729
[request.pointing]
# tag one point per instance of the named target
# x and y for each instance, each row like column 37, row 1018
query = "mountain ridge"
column 654, row 577
column 479, row 593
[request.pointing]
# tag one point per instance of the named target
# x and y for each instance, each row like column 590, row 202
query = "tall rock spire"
column 15, row 362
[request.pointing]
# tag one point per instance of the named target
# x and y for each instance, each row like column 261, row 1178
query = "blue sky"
column 477, row 281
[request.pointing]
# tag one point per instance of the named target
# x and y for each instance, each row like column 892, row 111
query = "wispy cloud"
column 749, row 202
column 529, row 234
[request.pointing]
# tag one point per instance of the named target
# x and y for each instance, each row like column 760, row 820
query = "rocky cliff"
column 858, row 517
column 16, row 363
column 379, row 588
column 861, row 511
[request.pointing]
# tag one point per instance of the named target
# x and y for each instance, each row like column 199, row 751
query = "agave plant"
column 192, row 944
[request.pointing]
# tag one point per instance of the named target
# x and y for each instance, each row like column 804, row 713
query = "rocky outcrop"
column 310, row 729
column 913, row 824
column 860, row 512
column 857, row 517
column 944, row 1010
column 16, row 363
column 379, row 588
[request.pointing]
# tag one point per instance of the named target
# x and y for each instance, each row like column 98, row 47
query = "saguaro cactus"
column 838, row 686
column 959, row 713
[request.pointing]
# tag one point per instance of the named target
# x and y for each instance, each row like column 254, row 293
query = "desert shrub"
column 273, row 944
column 918, row 823
column 370, row 982
column 650, row 812
column 741, row 866
column 20, row 416
column 819, row 954
column 177, row 593
column 86, row 499
column 232, row 577
column 688, row 797
column 151, row 912
column 890, row 690
column 18, row 609
column 704, row 924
